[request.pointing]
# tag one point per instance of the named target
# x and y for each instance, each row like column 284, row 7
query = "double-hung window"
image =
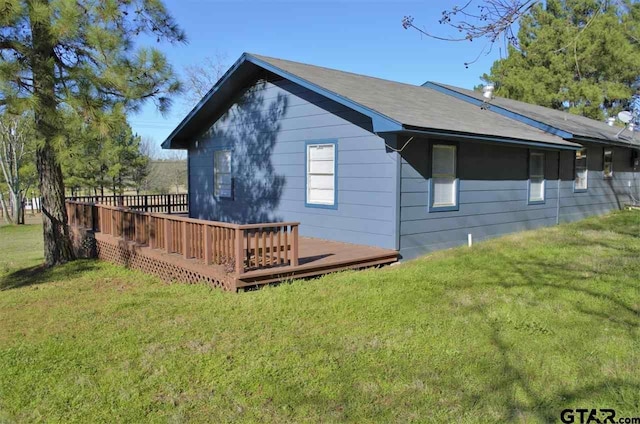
column 222, row 179
column 536, row 177
column 444, row 182
column 607, row 163
column 321, row 175
column 581, row 182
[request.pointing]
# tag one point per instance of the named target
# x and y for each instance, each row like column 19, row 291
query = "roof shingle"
column 413, row 105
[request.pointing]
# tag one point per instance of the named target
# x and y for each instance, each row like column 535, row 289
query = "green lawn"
column 515, row 329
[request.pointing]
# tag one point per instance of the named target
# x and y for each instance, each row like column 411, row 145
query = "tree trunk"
column 57, row 243
column 14, row 202
column 5, row 210
column 22, row 206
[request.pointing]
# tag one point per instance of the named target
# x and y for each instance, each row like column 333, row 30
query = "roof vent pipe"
column 487, row 91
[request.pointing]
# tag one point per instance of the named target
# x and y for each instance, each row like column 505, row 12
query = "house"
column 374, row 162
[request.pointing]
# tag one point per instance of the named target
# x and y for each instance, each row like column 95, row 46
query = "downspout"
column 558, row 192
column 398, row 197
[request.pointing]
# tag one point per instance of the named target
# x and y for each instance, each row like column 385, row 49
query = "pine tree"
column 78, row 54
column 122, row 157
column 576, row 55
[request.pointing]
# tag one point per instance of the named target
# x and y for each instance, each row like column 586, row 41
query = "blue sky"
column 358, row 36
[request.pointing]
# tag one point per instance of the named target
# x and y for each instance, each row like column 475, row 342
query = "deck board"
column 319, row 256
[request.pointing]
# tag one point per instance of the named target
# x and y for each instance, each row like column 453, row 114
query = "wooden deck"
column 318, row 257
column 229, row 256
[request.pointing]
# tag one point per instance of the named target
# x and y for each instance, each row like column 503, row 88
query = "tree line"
column 113, row 160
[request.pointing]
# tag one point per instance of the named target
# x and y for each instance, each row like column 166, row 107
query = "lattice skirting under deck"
column 89, row 245
column 134, row 259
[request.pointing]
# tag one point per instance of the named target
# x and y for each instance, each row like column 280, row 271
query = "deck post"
column 294, row 245
column 208, row 254
column 168, row 236
column 136, row 233
column 95, row 217
column 123, row 228
column 186, row 251
column 239, row 251
column 152, row 232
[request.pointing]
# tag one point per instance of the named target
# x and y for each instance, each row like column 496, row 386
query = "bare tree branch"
column 202, row 76
column 493, row 21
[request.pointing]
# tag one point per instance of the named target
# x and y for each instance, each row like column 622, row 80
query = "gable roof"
column 576, row 127
column 392, row 106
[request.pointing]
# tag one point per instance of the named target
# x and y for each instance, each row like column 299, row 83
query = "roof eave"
column 619, row 142
column 380, row 122
column 489, row 138
column 168, row 142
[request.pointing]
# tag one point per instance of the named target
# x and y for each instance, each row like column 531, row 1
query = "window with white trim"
column 222, row 179
column 581, row 182
column 443, row 174
column 536, row 177
column 607, row 163
column 321, row 174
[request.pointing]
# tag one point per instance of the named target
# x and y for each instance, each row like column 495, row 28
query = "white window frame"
column 605, row 174
column 453, row 205
column 333, row 203
column 535, row 177
column 218, row 189
column 585, row 170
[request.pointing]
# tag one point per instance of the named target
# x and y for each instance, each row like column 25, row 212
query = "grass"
column 515, row 329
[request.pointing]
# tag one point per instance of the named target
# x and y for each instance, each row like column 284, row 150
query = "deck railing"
column 162, row 203
column 239, row 247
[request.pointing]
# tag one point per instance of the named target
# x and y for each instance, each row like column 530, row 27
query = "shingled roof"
column 404, row 108
column 413, row 106
column 580, row 127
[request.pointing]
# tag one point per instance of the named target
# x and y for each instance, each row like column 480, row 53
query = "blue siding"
column 268, row 126
column 602, row 195
column 382, row 196
column 493, row 196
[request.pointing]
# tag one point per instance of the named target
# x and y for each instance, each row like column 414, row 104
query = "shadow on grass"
column 543, row 405
column 622, row 223
column 579, row 270
column 40, row 274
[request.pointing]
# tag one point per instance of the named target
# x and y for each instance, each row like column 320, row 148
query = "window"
column 321, row 174
column 581, row 182
column 536, row 177
column 444, row 184
column 222, row 180
column 608, row 163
